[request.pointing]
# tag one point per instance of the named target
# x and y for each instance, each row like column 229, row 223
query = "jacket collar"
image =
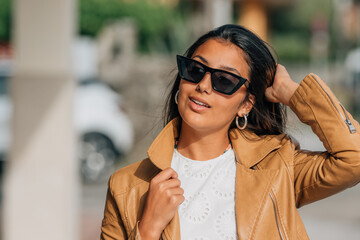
column 249, row 148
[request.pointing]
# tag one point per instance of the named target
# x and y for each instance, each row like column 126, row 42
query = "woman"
column 223, row 167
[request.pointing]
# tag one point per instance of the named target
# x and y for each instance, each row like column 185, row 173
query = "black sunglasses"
column 222, row 81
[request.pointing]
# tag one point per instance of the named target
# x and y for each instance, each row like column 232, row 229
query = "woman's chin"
column 202, row 124
column 196, row 121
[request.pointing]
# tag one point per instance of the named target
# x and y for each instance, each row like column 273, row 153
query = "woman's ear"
column 252, row 100
column 247, row 106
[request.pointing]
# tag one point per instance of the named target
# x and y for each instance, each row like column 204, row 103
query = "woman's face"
column 221, row 109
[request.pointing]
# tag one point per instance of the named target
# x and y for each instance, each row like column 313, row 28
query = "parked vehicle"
column 104, row 131
column 5, row 111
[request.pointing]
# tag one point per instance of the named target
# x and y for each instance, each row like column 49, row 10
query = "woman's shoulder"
column 132, row 175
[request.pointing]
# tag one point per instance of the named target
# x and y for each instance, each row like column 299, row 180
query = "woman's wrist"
column 288, row 90
column 148, row 231
column 283, row 87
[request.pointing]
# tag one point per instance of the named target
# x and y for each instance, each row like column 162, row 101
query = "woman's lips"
column 198, row 104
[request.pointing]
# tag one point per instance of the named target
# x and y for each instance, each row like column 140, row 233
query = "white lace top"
column 208, row 211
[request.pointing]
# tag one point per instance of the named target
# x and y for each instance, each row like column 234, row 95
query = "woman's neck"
column 200, row 145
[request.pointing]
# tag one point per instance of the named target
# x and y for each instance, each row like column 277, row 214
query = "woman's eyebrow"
column 221, row 67
column 230, row 69
column 201, row 58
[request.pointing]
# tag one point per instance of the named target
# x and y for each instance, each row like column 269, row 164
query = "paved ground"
column 334, row 218
column 93, row 200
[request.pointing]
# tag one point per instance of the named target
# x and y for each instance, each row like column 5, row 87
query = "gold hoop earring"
column 245, row 122
column 177, row 97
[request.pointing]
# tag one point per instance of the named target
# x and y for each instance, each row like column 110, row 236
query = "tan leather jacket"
column 273, row 176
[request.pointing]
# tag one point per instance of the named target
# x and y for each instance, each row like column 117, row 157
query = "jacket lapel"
column 251, row 191
column 252, row 186
column 162, row 148
column 160, row 154
column 250, row 148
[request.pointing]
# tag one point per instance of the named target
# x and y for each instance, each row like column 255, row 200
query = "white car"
column 104, row 130
column 5, row 109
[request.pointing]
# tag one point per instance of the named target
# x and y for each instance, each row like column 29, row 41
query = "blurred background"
column 83, row 84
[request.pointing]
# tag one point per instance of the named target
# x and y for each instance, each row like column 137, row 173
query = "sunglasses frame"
column 242, row 81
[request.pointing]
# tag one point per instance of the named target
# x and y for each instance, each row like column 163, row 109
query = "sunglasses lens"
column 223, row 82
column 191, row 70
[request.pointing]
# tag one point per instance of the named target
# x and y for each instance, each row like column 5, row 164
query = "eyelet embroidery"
column 195, row 208
column 225, row 224
column 222, row 184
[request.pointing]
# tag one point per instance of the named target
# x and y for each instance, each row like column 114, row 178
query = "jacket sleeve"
column 113, row 227
column 320, row 174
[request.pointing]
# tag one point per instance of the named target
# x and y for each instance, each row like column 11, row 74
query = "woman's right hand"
column 283, row 87
column 164, row 197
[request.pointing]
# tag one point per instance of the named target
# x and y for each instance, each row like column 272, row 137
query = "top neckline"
column 229, row 146
column 225, row 155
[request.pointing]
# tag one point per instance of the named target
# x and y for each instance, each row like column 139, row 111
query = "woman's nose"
column 205, row 84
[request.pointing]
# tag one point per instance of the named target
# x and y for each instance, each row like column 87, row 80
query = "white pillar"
column 41, row 186
column 219, row 12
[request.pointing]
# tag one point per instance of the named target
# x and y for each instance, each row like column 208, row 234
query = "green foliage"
column 157, row 24
column 154, row 21
column 291, row 28
column 291, row 47
column 5, row 20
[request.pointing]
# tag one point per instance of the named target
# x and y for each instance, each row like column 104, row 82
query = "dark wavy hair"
column 265, row 118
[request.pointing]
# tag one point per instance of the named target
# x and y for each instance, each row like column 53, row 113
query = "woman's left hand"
column 283, row 87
